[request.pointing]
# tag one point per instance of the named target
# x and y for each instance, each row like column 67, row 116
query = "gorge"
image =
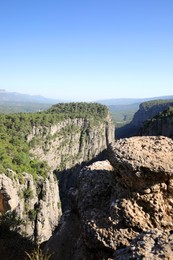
column 80, row 193
column 36, row 145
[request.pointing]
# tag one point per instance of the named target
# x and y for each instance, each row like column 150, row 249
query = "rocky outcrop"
column 126, row 207
column 36, row 203
column 71, row 141
column 154, row 244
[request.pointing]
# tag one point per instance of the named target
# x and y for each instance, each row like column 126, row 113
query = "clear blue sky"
column 87, row 49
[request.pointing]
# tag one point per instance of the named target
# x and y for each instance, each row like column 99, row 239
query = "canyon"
column 62, row 145
column 101, row 198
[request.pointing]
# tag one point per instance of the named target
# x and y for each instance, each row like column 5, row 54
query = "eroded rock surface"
column 36, row 203
column 141, row 162
column 71, row 141
column 125, row 208
column 154, row 244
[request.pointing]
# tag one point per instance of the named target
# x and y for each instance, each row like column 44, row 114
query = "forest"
column 14, row 129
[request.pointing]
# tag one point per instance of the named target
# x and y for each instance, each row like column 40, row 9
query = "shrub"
column 37, row 254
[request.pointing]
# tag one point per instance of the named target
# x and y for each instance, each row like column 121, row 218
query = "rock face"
column 162, row 124
column 147, row 111
column 152, row 244
column 126, row 207
column 71, row 141
column 37, row 203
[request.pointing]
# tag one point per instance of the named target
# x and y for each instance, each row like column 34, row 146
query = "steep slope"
column 71, row 141
column 162, row 124
column 121, row 210
column 35, row 204
column 147, row 110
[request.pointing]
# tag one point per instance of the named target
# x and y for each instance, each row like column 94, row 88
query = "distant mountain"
column 13, row 102
column 129, row 101
column 23, row 98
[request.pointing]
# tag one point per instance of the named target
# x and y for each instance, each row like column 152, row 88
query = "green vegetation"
column 10, row 221
column 167, row 113
column 123, row 114
column 15, row 128
column 37, row 254
column 121, row 118
column 14, row 153
column 160, row 124
column 147, row 105
column 80, row 110
column 22, row 107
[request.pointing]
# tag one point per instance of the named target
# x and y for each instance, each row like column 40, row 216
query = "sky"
column 85, row 50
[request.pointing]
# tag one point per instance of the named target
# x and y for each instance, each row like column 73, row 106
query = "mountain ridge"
column 129, row 101
column 6, row 96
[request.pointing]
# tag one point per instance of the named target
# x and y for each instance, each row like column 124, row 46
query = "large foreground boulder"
column 125, row 206
column 140, row 162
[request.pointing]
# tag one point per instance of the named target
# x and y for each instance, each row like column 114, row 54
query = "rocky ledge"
column 125, row 206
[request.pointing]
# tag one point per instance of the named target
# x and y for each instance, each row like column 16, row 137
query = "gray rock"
column 35, row 203
column 125, row 211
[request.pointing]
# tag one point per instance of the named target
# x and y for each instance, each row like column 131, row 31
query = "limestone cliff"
column 71, row 141
column 122, row 210
column 147, row 110
column 36, row 203
column 162, row 124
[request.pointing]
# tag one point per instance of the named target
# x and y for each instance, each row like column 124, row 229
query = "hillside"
column 123, row 114
column 123, row 109
column 147, row 110
column 161, row 124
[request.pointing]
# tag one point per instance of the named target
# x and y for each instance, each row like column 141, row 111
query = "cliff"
column 162, row 124
column 147, row 110
column 71, row 141
column 36, row 204
column 121, row 209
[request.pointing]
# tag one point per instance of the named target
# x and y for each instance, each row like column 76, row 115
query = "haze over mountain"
column 6, row 96
column 129, row 101
column 13, row 97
